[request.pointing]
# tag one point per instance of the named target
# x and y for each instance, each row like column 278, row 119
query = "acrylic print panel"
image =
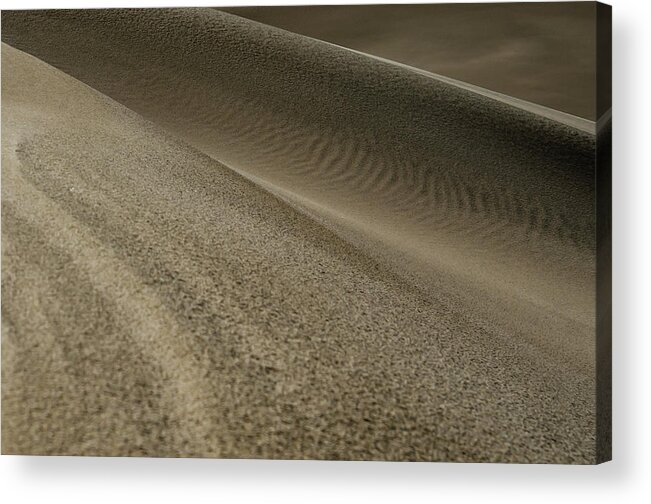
column 344, row 232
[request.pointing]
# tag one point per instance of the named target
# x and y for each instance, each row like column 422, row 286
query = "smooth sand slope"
column 409, row 276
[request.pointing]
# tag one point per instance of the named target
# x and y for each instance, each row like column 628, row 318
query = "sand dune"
column 408, row 273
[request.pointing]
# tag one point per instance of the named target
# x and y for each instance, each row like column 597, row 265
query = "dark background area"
column 541, row 52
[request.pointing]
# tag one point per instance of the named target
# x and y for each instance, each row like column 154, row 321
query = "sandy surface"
column 376, row 289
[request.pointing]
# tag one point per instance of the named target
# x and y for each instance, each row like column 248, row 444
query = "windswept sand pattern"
column 517, row 205
column 408, row 273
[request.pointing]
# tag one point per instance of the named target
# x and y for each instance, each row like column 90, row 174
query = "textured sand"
column 407, row 275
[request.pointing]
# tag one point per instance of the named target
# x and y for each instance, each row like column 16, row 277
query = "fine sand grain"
column 283, row 249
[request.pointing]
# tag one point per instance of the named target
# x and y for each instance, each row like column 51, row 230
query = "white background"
column 626, row 479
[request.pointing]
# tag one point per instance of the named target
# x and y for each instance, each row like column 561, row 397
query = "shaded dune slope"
column 454, row 320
